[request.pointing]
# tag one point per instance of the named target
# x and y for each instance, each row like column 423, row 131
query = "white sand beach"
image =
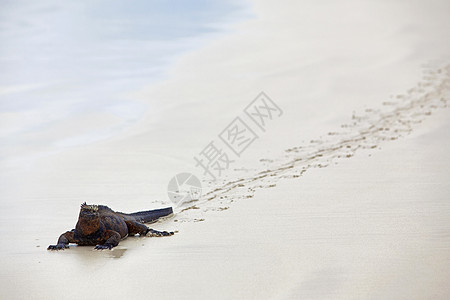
column 344, row 195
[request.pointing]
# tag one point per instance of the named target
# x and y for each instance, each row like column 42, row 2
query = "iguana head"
column 89, row 211
column 92, row 208
column 89, row 218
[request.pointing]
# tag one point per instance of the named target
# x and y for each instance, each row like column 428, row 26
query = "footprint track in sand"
column 366, row 131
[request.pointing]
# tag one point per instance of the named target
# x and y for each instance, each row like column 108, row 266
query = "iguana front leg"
column 63, row 241
column 112, row 239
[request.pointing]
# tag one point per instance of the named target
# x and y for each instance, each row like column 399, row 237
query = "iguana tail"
column 150, row 215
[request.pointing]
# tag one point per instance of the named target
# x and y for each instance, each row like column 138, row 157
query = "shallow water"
column 69, row 69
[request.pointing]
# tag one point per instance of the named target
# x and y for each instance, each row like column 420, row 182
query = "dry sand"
column 372, row 226
column 344, row 196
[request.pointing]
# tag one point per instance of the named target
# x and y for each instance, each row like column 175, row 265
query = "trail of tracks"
column 369, row 130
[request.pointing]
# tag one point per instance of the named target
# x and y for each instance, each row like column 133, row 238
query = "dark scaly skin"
column 103, row 228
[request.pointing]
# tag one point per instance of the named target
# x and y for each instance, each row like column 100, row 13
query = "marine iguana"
column 100, row 226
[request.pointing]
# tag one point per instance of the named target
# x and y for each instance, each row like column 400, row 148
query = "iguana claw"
column 156, row 233
column 102, row 247
column 57, row 247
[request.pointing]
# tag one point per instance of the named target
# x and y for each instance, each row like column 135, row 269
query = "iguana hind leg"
column 63, row 241
column 135, row 227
